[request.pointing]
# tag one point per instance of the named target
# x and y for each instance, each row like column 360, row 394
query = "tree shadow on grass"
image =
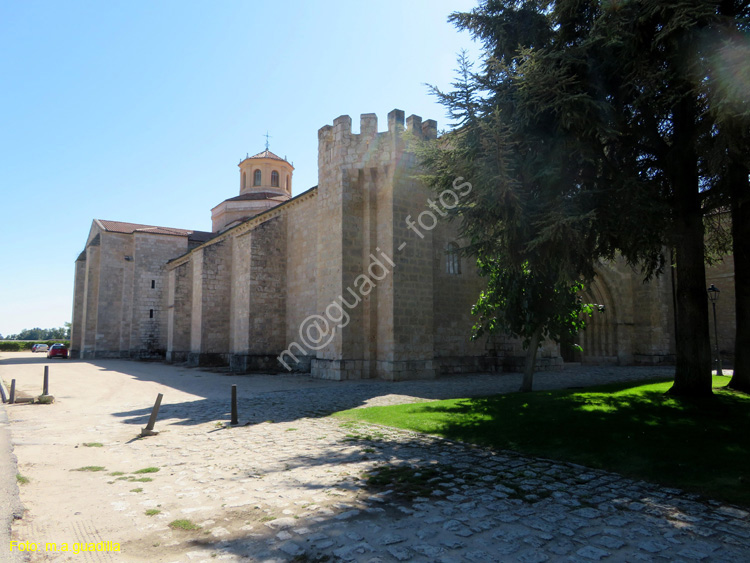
column 698, row 444
column 194, row 396
column 300, row 396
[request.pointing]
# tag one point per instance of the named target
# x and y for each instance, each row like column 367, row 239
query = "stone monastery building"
column 354, row 278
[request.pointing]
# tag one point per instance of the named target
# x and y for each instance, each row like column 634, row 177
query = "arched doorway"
column 599, row 339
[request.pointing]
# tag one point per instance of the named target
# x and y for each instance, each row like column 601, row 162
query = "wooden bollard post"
column 12, row 391
column 234, row 421
column 149, row 430
column 45, row 387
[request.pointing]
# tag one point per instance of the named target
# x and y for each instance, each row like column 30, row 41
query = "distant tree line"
column 60, row 333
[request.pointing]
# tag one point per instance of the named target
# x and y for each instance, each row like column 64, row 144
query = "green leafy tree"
column 32, row 334
column 528, row 306
column 611, row 122
column 56, row 333
column 37, row 333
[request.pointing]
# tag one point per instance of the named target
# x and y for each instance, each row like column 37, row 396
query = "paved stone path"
column 290, row 486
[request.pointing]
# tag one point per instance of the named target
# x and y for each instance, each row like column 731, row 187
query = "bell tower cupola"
column 265, row 182
column 266, row 172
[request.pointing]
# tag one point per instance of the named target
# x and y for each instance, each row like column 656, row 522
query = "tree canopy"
column 600, row 127
column 37, row 333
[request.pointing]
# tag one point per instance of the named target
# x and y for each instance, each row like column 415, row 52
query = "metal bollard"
column 234, row 421
column 149, row 430
column 12, row 391
column 45, row 388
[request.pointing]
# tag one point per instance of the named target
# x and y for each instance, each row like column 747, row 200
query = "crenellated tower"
column 366, row 190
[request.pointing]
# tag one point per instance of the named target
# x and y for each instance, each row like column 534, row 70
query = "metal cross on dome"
column 267, row 136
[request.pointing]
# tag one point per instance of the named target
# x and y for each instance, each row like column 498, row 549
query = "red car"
column 57, row 350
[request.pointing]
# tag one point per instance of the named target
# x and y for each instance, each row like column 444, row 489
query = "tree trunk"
column 693, row 370
column 741, row 248
column 528, row 370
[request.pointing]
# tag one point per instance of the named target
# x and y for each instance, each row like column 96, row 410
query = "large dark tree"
column 729, row 163
column 613, row 118
column 533, row 241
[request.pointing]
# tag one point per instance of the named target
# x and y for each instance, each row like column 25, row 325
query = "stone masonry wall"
column 652, row 339
column 149, row 311
column 228, row 298
column 128, row 289
column 259, row 296
column 453, row 297
column 179, row 311
column 721, row 275
column 331, row 153
column 196, row 312
column 377, row 318
column 341, row 242
column 239, row 314
column 79, row 294
column 91, row 300
column 257, row 310
column 120, row 297
column 113, row 265
column 268, row 288
column 302, row 220
column 637, row 325
column 608, row 333
column 214, row 278
column 413, row 279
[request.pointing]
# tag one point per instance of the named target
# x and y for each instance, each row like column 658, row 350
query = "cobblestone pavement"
column 288, row 485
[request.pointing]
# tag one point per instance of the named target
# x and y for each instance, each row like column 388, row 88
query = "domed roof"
column 257, row 195
column 268, row 154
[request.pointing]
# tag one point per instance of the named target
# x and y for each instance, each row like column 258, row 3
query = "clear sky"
column 140, row 111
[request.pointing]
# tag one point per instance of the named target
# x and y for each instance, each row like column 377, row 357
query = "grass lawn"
column 631, row 428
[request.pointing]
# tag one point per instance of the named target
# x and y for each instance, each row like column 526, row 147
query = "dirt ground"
column 95, row 422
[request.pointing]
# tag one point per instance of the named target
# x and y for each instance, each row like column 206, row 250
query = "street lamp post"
column 713, row 295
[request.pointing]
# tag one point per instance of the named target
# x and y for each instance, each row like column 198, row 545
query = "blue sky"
column 140, row 111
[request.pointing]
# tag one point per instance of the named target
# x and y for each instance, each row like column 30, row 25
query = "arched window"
column 275, row 179
column 244, row 180
column 452, row 259
column 287, row 183
column 256, row 178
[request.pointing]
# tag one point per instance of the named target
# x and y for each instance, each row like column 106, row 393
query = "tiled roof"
column 250, row 196
column 268, row 154
column 201, row 236
column 130, row 228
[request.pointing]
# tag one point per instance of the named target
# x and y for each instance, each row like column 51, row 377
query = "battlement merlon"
column 414, row 125
column 395, row 121
column 368, row 127
column 429, row 130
